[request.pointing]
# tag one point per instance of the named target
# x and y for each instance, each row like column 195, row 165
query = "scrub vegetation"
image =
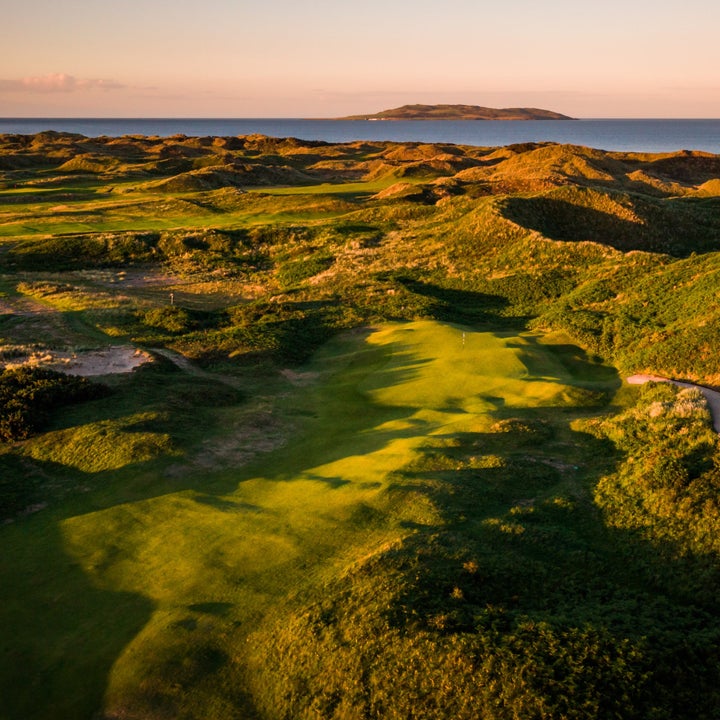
column 382, row 462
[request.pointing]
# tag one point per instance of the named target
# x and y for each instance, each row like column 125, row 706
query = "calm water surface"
column 628, row 135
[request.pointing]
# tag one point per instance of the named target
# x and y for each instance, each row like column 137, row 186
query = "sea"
column 623, row 135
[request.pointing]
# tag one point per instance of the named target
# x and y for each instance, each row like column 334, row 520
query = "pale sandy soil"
column 106, row 361
column 300, row 378
column 24, row 306
column 712, row 397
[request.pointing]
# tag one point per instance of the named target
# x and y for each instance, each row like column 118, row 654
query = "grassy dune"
column 383, row 464
column 207, row 564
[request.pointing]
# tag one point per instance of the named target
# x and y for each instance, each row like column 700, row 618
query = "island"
column 460, row 112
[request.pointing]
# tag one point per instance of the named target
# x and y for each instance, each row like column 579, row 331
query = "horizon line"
column 329, row 119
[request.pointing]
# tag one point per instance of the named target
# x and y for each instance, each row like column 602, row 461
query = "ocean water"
column 626, row 135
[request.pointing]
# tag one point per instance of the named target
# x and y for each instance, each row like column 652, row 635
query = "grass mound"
column 88, row 163
column 623, row 221
column 196, row 180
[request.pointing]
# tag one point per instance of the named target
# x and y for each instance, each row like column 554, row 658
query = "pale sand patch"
column 712, row 397
column 106, row 361
column 259, row 431
column 300, row 379
column 642, row 379
column 22, row 305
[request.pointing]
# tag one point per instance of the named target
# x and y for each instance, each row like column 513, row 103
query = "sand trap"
column 107, row 361
column 712, row 397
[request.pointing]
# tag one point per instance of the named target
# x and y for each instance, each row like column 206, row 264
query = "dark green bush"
column 28, row 397
column 76, row 252
column 172, row 319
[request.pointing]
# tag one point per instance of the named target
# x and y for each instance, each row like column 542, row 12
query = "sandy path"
column 712, row 397
column 24, row 306
column 184, row 364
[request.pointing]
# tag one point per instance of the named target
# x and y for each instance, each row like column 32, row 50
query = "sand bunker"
column 106, row 361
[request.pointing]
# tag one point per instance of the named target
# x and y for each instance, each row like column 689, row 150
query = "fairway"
column 190, row 574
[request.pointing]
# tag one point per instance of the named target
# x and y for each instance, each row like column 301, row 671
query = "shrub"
column 173, row 319
column 29, row 395
column 76, row 252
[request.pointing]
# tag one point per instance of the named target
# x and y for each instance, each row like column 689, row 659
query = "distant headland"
column 460, row 112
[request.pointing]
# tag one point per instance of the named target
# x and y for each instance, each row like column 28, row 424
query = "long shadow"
column 359, row 431
column 524, row 565
column 673, row 226
column 57, row 626
column 686, row 168
column 467, row 307
column 46, row 577
column 588, row 373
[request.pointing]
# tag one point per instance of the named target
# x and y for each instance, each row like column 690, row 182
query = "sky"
column 329, row 58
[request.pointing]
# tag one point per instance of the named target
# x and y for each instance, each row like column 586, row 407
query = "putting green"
column 211, row 562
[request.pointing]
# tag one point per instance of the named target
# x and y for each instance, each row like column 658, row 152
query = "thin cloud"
column 58, row 82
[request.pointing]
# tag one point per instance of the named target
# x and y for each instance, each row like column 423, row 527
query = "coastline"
column 633, row 135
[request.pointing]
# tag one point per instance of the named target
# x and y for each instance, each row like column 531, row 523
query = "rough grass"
column 207, row 563
column 423, row 521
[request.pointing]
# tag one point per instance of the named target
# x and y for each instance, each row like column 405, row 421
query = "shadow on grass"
column 363, row 426
column 673, row 225
column 211, row 608
column 517, row 596
column 524, row 564
column 588, row 373
column 467, row 307
column 62, row 634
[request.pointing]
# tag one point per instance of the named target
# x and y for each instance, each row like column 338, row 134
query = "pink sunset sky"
column 327, row 58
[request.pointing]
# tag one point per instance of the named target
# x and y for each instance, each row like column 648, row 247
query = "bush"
column 29, row 395
column 668, row 487
column 172, row 319
column 76, row 252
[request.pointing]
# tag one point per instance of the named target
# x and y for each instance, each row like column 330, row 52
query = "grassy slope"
column 428, row 495
column 200, row 568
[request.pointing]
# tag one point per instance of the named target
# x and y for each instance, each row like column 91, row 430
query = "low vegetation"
column 383, row 463
column 28, row 396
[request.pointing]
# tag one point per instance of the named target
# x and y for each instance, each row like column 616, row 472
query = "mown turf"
column 200, row 569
